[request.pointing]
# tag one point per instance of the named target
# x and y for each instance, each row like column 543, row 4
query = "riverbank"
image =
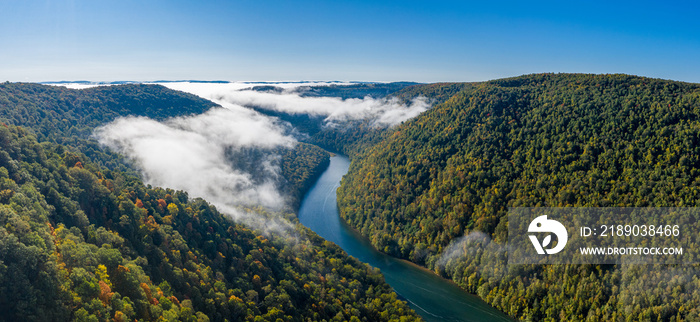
column 433, row 297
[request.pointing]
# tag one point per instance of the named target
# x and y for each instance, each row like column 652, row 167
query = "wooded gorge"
column 82, row 238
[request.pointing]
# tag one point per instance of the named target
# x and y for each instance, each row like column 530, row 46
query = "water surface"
column 434, row 298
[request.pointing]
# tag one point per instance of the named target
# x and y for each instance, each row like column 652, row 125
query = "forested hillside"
column 69, row 116
column 84, row 243
column 536, row 140
column 87, row 241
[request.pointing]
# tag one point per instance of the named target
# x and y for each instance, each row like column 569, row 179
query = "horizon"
column 321, row 82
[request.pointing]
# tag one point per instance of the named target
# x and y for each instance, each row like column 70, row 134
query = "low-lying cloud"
column 195, row 154
column 381, row 111
column 386, row 112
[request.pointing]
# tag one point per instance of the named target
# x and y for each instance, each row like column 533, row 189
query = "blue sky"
column 426, row 41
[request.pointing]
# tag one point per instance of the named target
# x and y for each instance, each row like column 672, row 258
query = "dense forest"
column 85, row 240
column 67, row 116
column 300, row 167
column 436, row 189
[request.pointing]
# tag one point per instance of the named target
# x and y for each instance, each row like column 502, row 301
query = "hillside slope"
column 80, row 241
column 83, row 243
column 69, row 116
column 536, row 140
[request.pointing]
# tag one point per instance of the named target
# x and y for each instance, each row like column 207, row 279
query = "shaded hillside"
column 69, row 116
column 301, row 167
column 536, row 140
column 62, row 114
column 360, row 90
column 438, row 93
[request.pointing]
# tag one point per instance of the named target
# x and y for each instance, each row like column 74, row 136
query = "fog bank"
column 195, row 154
column 381, row 111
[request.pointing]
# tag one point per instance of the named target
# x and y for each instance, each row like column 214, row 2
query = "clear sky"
column 426, row 41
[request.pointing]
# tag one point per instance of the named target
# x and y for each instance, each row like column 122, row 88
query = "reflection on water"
column 431, row 296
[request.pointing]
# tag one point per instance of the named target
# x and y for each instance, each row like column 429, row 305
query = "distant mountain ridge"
column 86, row 82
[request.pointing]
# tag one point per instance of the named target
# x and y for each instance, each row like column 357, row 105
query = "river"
column 434, row 298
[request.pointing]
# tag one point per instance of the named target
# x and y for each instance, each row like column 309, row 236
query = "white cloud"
column 194, row 154
column 383, row 111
